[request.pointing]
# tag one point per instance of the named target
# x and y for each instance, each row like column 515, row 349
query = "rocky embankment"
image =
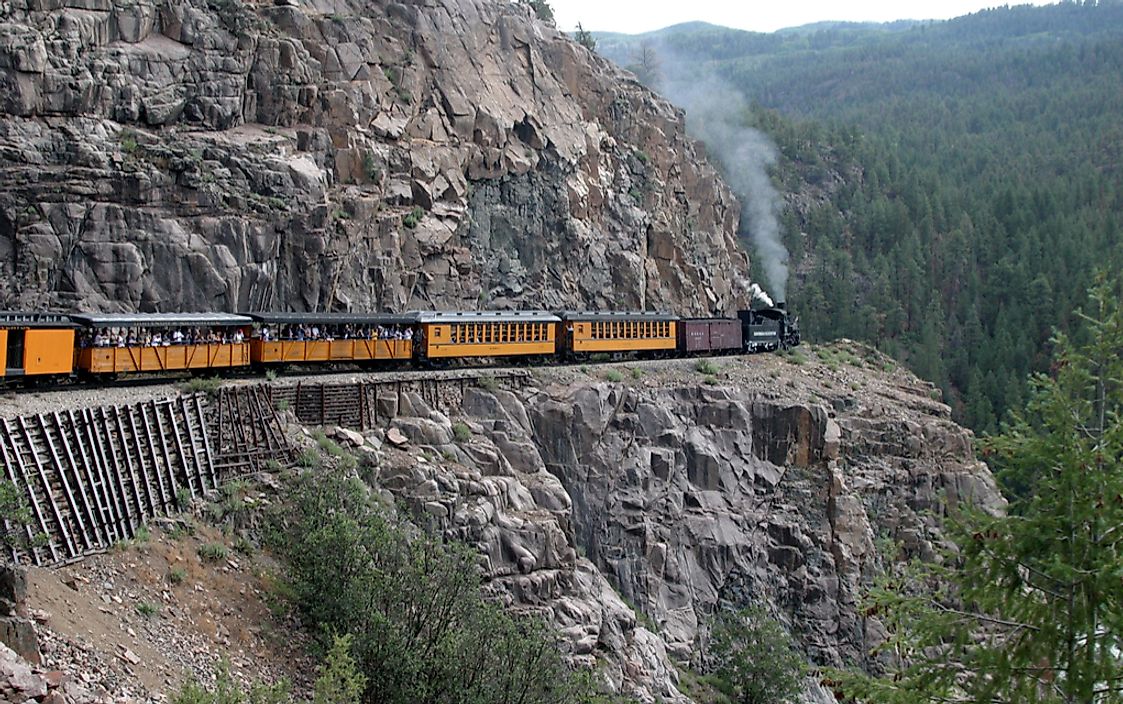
column 342, row 154
column 627, row 511
column 625, row 503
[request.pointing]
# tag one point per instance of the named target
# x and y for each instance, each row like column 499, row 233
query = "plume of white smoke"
column 759, row 294
column 716, row 113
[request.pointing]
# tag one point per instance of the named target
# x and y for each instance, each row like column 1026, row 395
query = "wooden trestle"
column 91, row 477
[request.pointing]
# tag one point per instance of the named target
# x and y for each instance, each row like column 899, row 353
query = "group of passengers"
column 161, row 337
column 336, row 332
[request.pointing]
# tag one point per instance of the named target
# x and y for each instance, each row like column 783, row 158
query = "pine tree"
column 1027, row 606
column 585, row 38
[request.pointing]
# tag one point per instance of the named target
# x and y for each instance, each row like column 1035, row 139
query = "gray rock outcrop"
column 628, row 513
column 342, row 154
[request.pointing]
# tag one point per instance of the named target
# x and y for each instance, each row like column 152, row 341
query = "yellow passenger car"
column 150, row 342
column 36, row 344
column 332, row 337
column 615, row 333
column 490, row 334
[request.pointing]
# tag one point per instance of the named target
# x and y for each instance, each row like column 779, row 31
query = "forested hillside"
column 951, row 187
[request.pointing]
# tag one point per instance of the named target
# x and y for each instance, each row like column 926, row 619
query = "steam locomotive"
column 103, row 345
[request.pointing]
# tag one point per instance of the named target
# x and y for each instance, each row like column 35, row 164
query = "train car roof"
column 709, row 320
column 157, row 320
column 498, row 316
column 594, row 315
column 27, row 319
column 276, row 318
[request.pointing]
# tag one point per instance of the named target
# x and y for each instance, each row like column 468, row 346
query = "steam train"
column 103, row 345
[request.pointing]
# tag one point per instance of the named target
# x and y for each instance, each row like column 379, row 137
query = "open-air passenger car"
column 332, row 337
column 118, row 343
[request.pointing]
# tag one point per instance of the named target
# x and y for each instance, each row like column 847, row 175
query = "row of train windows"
column 641, row 330
column 469, row 333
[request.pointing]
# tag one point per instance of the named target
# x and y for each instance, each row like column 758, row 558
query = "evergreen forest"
column 950, row 188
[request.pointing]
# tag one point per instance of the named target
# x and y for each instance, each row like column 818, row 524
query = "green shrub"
column 412, row 220
column 213, row 552
column 181, row 530
column 201, row 385
column 227, row 691
column 142, row 535
column 340, row 681
column 328, row 445
column 487, row 383
column 128, row 139
column 796, row 357
column 614, row 376
column 244, row 546
column 420, row 625
column 147, row 609
column 370, row 167
column 637, row 373
column 183, row 498
column 177, row 575
column 308, row 458
column 706, row 367
column 754, row 660
column 461, row 432
column 16, row 510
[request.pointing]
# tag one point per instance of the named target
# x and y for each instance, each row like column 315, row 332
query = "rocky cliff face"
column 627, row 512
column 342, row 154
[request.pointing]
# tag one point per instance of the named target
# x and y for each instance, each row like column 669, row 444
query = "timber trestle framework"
column 91, row 477
column 369, row 403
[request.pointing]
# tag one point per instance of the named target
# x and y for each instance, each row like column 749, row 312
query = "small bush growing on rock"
column 244, row 546
column 147, row 609
column 328, row 445
column 128, row 140
column 412, row 220
column 461, row 432
column 707, row 367
column 177, row 575
column 614, row 376
column 308, row 458
column 213, row 552
column 637, row 373
column 15, row 509
column 183, row 498
column 282, row 405
column 142, row 535
column 796, row 357
column 201, row 385
column 370, row 168
column 487, row 383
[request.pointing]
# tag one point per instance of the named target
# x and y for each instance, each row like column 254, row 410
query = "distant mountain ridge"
column 950, row 186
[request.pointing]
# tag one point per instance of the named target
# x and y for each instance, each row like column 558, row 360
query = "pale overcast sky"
column 636, row 16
